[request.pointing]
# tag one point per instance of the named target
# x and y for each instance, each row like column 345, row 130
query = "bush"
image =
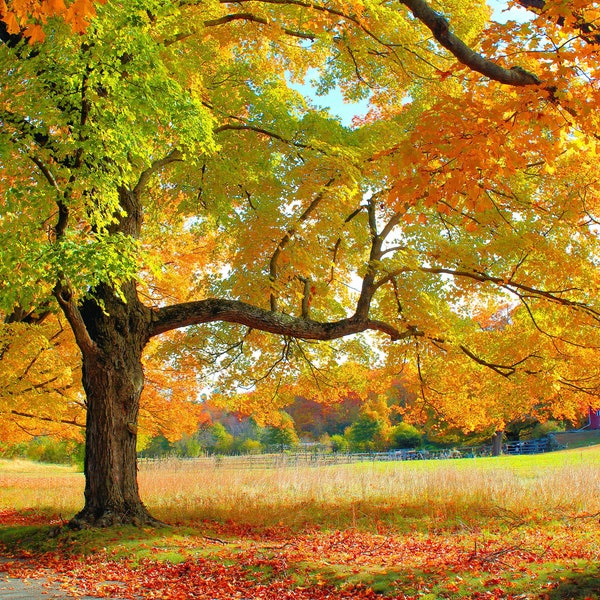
column 541, row 430
column 158, row 447
column 188, row 446
column 223, row 440
column 367, row 434
column 404, row 435
column 339, row 443
column 48, row 450
column 283, row 436
column 249, row 447
column 13, row 450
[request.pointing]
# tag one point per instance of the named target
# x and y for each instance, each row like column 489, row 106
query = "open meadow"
column 507, row 527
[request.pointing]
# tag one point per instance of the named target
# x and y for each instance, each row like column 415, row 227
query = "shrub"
column 49, row 450
column 541, row 430
column 367, row 433
column 405, row 435
column 339, row 443
column 249, row 446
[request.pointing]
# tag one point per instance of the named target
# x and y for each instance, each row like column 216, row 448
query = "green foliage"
column 541, row 430
column 136, row 108
column 405, row 435
column 339, row 443
column 281, row 436
column 248, row 446
column 158, row 447
column 187, row 446
column 46, row 449
column 367, row 433
column 371, row 430
column 223, row 440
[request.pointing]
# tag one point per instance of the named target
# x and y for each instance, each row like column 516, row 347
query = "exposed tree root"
column 139, row 517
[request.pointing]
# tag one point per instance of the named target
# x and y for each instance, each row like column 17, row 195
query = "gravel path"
column 32, row 589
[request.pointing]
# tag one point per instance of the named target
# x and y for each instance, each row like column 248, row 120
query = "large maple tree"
column 162, row 177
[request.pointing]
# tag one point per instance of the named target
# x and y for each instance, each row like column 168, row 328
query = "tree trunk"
column 497, row 443
column 113, row 379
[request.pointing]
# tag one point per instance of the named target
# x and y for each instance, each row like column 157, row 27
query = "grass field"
column 507, row 527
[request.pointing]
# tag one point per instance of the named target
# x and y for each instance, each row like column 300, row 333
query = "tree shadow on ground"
column 582, row 587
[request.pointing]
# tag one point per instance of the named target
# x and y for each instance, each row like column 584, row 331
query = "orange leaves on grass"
column 275, row 563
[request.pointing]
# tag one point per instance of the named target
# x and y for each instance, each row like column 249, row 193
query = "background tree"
column 281, row 436
column 159, row 173
column 371, row 430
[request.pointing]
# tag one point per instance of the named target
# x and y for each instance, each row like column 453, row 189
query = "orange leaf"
column 35, row 34
column 12, row 25
column 54, row 7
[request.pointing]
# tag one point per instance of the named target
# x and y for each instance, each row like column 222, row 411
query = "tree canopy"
column 165, row 183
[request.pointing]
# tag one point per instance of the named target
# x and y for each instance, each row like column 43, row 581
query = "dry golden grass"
column 398, row 495
column 55, row 489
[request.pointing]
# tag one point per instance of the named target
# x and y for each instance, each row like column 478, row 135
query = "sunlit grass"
column 397, row 495
column 52, row 489
column 455, row 529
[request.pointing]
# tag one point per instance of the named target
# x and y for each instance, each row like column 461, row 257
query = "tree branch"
column 45, row 172
column 47, row 419
column 248, row 127
column 255, row 19
column 306, row 296
column 589, row 31
column 211, row 310
column 174, row 156
column 504, row 370
column 514, row 287
column 63, row 295
column 439, row 26
column 274, row 262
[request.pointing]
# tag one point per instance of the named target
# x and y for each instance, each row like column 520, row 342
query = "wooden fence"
column 314, row 459
column 528, row 447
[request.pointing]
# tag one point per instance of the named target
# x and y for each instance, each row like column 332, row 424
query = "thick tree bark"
column 497, row 443
column 113, row 379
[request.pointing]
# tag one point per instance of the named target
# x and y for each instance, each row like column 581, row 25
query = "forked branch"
column 211, row 310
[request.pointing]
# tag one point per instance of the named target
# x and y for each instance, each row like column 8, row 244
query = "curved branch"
column 274, row 262
column 248, row 127
column 212, row 310
column 174, row 156
column 68, row 305
column 255, row 19
column 438, row 25
column 45, row 172
column 504, row 370
column 514, row 287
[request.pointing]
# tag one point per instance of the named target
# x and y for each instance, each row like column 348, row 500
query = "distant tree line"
column 353, row 425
